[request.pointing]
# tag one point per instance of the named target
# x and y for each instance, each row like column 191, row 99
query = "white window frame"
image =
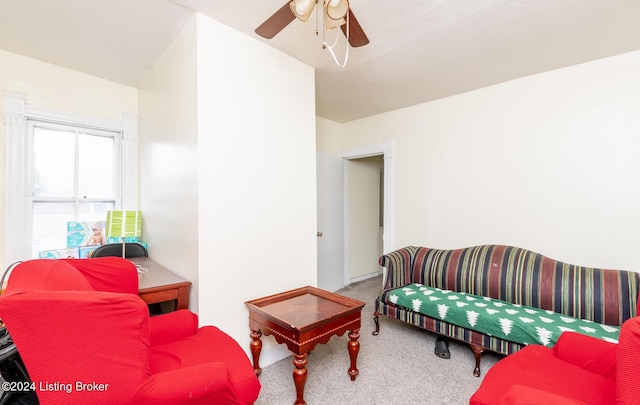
column 16, row 116
column 77, row 130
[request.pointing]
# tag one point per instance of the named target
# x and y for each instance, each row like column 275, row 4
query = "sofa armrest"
column 628, row 378
column 398, row 265
column 171, row 327
column 595, row 355
column 201, row 384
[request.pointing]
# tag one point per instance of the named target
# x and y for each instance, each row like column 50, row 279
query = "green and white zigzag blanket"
column 516, row 323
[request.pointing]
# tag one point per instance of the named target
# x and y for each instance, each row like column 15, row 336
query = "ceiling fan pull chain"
column 317, row 18
column 330, row 47
column 335, row 59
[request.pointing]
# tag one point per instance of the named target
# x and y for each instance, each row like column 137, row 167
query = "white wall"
column 57, row 88
column 168, row 159
column 329, row 136
column 63, row 90
column 256, row 165
column 548, row 162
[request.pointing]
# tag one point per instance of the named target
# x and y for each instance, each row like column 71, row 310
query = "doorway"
column 363, row 216
column 358, row 264
column 333, row 250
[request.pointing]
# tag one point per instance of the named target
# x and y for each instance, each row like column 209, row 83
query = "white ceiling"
column 419, row 50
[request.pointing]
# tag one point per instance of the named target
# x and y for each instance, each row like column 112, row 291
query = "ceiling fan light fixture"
column 302, row 9
column 336, row 9
column 330, row 23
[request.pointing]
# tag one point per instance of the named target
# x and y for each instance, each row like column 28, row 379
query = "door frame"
column 386, row 150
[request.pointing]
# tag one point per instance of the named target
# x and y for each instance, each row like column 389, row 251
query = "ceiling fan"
column 337, row 12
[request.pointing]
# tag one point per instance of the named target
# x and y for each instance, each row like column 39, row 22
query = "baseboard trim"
column 364, row 277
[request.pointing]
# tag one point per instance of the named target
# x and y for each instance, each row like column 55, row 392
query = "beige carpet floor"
column 396, row 367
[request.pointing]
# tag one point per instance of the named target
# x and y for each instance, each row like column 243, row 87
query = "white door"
column 330, row 191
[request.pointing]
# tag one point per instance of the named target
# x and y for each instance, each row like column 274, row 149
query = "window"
column 73, row 176
column 62, row 167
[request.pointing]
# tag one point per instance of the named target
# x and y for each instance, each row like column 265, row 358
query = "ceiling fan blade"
column 357, row 37
column 276, row 22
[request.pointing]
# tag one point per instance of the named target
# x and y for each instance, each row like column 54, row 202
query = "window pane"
column 50, row 225
column 95, row 173
column 53, row 156
column 74, row 177
column 50, row 221
column 95, row 211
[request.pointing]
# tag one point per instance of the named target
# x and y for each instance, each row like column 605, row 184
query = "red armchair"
column 86, row 338
column 578, row 370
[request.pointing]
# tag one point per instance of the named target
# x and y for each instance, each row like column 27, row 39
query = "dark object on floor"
column 14, row 374
column 442, row 348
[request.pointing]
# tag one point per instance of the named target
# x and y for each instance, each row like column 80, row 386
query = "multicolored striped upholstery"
column 510, row 274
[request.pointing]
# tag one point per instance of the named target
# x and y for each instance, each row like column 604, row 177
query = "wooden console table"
column 301, row 319
column 159, row 284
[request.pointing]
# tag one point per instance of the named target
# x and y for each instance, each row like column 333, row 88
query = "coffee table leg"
column 354, row 348
column 256, row 348
column 300, row 376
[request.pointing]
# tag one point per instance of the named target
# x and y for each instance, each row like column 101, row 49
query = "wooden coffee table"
column 301, row 319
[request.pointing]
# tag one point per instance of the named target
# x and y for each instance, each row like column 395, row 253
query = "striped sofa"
column 510, row 274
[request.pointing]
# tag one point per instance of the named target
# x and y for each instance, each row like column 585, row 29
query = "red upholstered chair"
column 579, row 369
column 86, row 338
